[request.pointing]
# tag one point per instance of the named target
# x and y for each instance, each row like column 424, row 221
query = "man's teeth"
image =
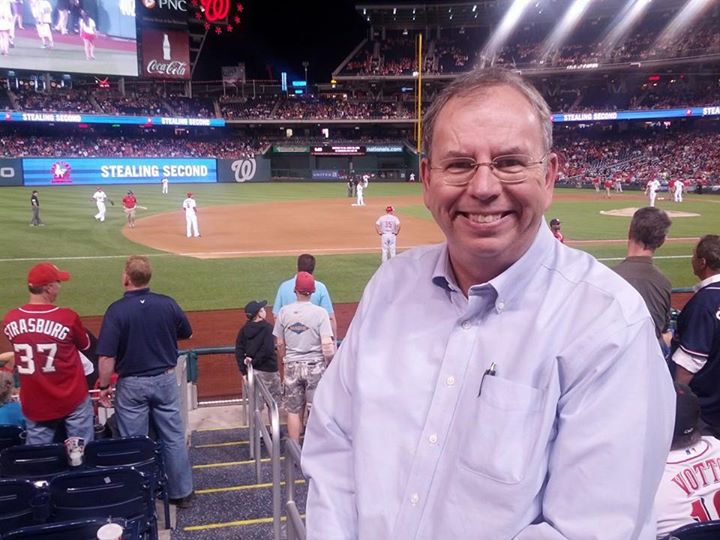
column 484, row 218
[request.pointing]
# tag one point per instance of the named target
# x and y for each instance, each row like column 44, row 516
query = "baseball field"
column 251, row 234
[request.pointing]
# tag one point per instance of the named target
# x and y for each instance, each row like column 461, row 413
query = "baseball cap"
column 45, row 273
column 130, row 192
column 253, row 307
column 554, row 221
column 389, row 208
column 304, row 283
column 687, row 411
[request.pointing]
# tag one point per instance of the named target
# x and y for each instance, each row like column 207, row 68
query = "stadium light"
column 685, row 19
column 565, row 27
column 622, row 24
column 505, row 28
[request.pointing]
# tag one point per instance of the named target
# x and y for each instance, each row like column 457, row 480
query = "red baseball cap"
column 46, row 273
column 389, row 208
column 304, row 283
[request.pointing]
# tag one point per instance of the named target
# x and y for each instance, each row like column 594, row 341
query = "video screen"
column 69, row 36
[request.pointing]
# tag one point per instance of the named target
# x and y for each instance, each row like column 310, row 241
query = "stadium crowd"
column 637, row 158
column 456, row 49
column 91, row 145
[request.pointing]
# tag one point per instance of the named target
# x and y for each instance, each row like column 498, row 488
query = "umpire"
column 138, row 340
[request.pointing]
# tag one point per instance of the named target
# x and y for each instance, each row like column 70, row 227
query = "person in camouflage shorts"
column 306, row 345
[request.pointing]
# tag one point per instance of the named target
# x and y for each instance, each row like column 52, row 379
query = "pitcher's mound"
column 629, row 212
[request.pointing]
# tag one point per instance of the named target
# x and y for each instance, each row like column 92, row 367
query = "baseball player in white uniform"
column 359, row 192
column 191, row 221
column 100, row 197
column 651, row 190
column 388, row 227
column 678, row 191
column 165, row 182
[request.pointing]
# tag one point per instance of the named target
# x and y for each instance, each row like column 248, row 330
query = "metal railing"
column 295, row 524
column 260, row 398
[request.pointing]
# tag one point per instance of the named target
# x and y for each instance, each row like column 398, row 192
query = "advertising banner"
column 103, row 171
column 165, row 54
column 163, row 12
column 337, row 150
column 10, row 172
column 244, row 169
column 72, row 118
column 325, row 174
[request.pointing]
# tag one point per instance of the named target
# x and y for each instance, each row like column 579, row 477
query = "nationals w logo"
column 244, row 169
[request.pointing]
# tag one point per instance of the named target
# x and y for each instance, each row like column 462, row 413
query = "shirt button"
column 414, row 499
column 433, row 438
column 450, row 381
column 466, row 325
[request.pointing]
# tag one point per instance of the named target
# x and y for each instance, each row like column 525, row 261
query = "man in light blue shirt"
column 321, row 297
column 510, row 386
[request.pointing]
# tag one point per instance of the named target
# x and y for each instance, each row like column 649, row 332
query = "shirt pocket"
column 503, row 432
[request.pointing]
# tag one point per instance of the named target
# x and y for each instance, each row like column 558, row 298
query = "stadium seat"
column 19, row 502
column 85, row 529
column 141, row 453
column 11, row 435
column 34, row 461
column 708, row 530
column 105, row 493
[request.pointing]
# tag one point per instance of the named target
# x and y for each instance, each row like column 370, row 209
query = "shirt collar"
column 515, row 281
column 137, row 292
column 707, row 281
column 512, row 282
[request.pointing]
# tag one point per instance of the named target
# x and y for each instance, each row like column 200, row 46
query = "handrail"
column 249, row 404
column 295, row 525
column 261, row 398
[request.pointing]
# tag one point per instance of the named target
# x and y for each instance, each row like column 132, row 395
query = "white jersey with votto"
column 689, row 491
column 99, row 196
column 388, row 224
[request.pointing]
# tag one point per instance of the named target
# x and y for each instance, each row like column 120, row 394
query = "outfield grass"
column 72, row 235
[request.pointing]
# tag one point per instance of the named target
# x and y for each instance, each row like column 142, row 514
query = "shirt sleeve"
column 326, row 301
column 277, row 305
column 80, row 335
column 328, row 455
column 614, row 427
column 240, row 352
column 278, row 328
column 696, row 330
column 184, row 330
column 109, row 337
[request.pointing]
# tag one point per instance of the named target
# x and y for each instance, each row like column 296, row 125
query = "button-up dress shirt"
column 414, row 433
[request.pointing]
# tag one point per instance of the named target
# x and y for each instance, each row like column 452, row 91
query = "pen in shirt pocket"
column 491, row 371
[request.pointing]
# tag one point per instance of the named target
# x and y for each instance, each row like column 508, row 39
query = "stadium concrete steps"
column 229, row 504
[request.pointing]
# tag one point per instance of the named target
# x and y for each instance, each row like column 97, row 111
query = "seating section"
column 84, row 529
column 34, row 462
column 710, row 530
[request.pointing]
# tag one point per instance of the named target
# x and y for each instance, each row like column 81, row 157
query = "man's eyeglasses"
column 509, row 169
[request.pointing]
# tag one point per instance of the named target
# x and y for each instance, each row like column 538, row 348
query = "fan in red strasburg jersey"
column 46, row 340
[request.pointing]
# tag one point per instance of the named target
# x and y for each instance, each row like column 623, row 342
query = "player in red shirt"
column 608, row 186
column 129, row 204
column 47, row 340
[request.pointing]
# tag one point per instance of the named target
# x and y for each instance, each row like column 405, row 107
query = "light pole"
column 305, row 64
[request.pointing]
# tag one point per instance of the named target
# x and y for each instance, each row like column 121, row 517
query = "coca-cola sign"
column 174, row 69
column 166, row 53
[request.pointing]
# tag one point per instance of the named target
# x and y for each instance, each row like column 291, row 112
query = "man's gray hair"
column 475, row 82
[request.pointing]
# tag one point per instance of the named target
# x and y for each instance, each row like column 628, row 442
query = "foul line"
column 657, row 257
column 89, row 257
